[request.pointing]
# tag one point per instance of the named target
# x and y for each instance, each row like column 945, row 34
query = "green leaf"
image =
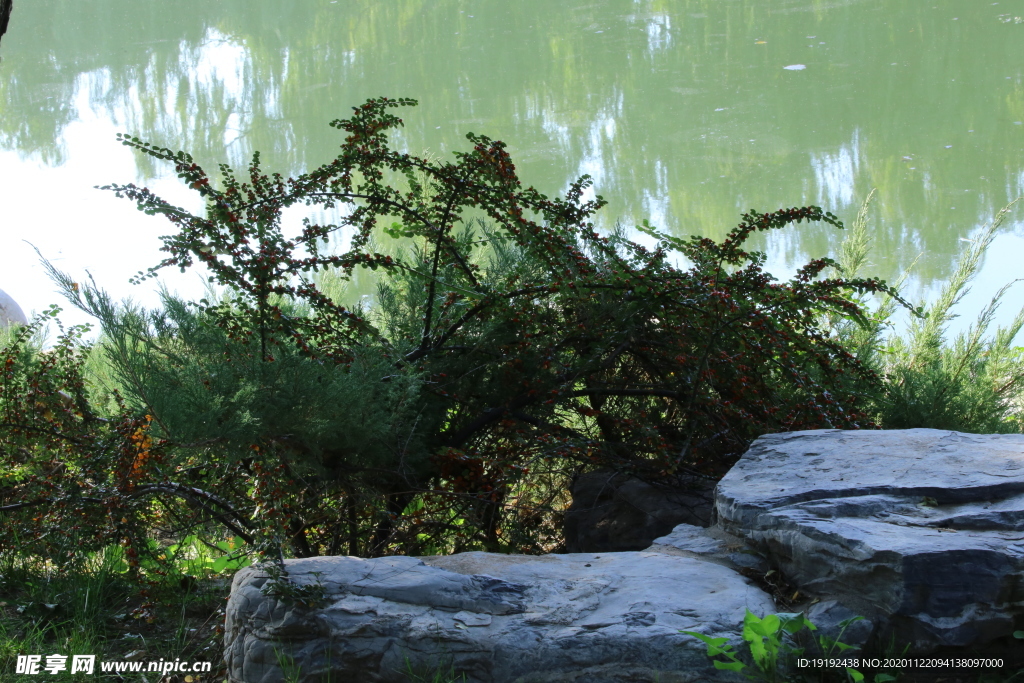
column 766, row 627
column 716, row 646
column 648, row 229
column 708, row 640
column 792, row 622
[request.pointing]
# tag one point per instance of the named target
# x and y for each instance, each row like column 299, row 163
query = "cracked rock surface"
column 598, row 618
column 921, row 529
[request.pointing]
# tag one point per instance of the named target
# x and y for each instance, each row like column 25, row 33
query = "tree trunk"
column 395, row 506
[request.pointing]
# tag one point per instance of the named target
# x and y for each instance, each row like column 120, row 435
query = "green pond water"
column 685, row 112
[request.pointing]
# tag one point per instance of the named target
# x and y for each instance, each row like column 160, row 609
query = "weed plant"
column 772, row 653
column 774, row 643
column 440, row 674
column 97, row 608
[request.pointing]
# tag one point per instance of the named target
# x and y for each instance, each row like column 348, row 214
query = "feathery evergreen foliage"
column 974, row 384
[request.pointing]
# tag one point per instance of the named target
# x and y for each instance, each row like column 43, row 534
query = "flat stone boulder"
column 919, row 530
column 577, row 618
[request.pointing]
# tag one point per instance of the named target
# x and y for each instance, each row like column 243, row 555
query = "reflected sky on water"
column 685, row 113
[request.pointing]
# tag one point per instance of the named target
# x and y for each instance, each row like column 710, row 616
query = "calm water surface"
column 685, row 112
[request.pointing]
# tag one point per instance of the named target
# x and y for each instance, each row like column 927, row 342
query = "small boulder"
column 613, row 512
column 594, row 618
column 10, row 311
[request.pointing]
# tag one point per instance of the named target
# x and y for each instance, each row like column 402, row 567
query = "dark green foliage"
column 501, row 354
column 95, row 608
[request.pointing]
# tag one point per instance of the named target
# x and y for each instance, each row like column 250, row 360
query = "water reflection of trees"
column 658, row 99
column 5, row 15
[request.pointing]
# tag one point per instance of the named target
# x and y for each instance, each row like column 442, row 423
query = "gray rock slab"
column 10, row 311
column 920, row 529
column 714, row 545
column 579, row 618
